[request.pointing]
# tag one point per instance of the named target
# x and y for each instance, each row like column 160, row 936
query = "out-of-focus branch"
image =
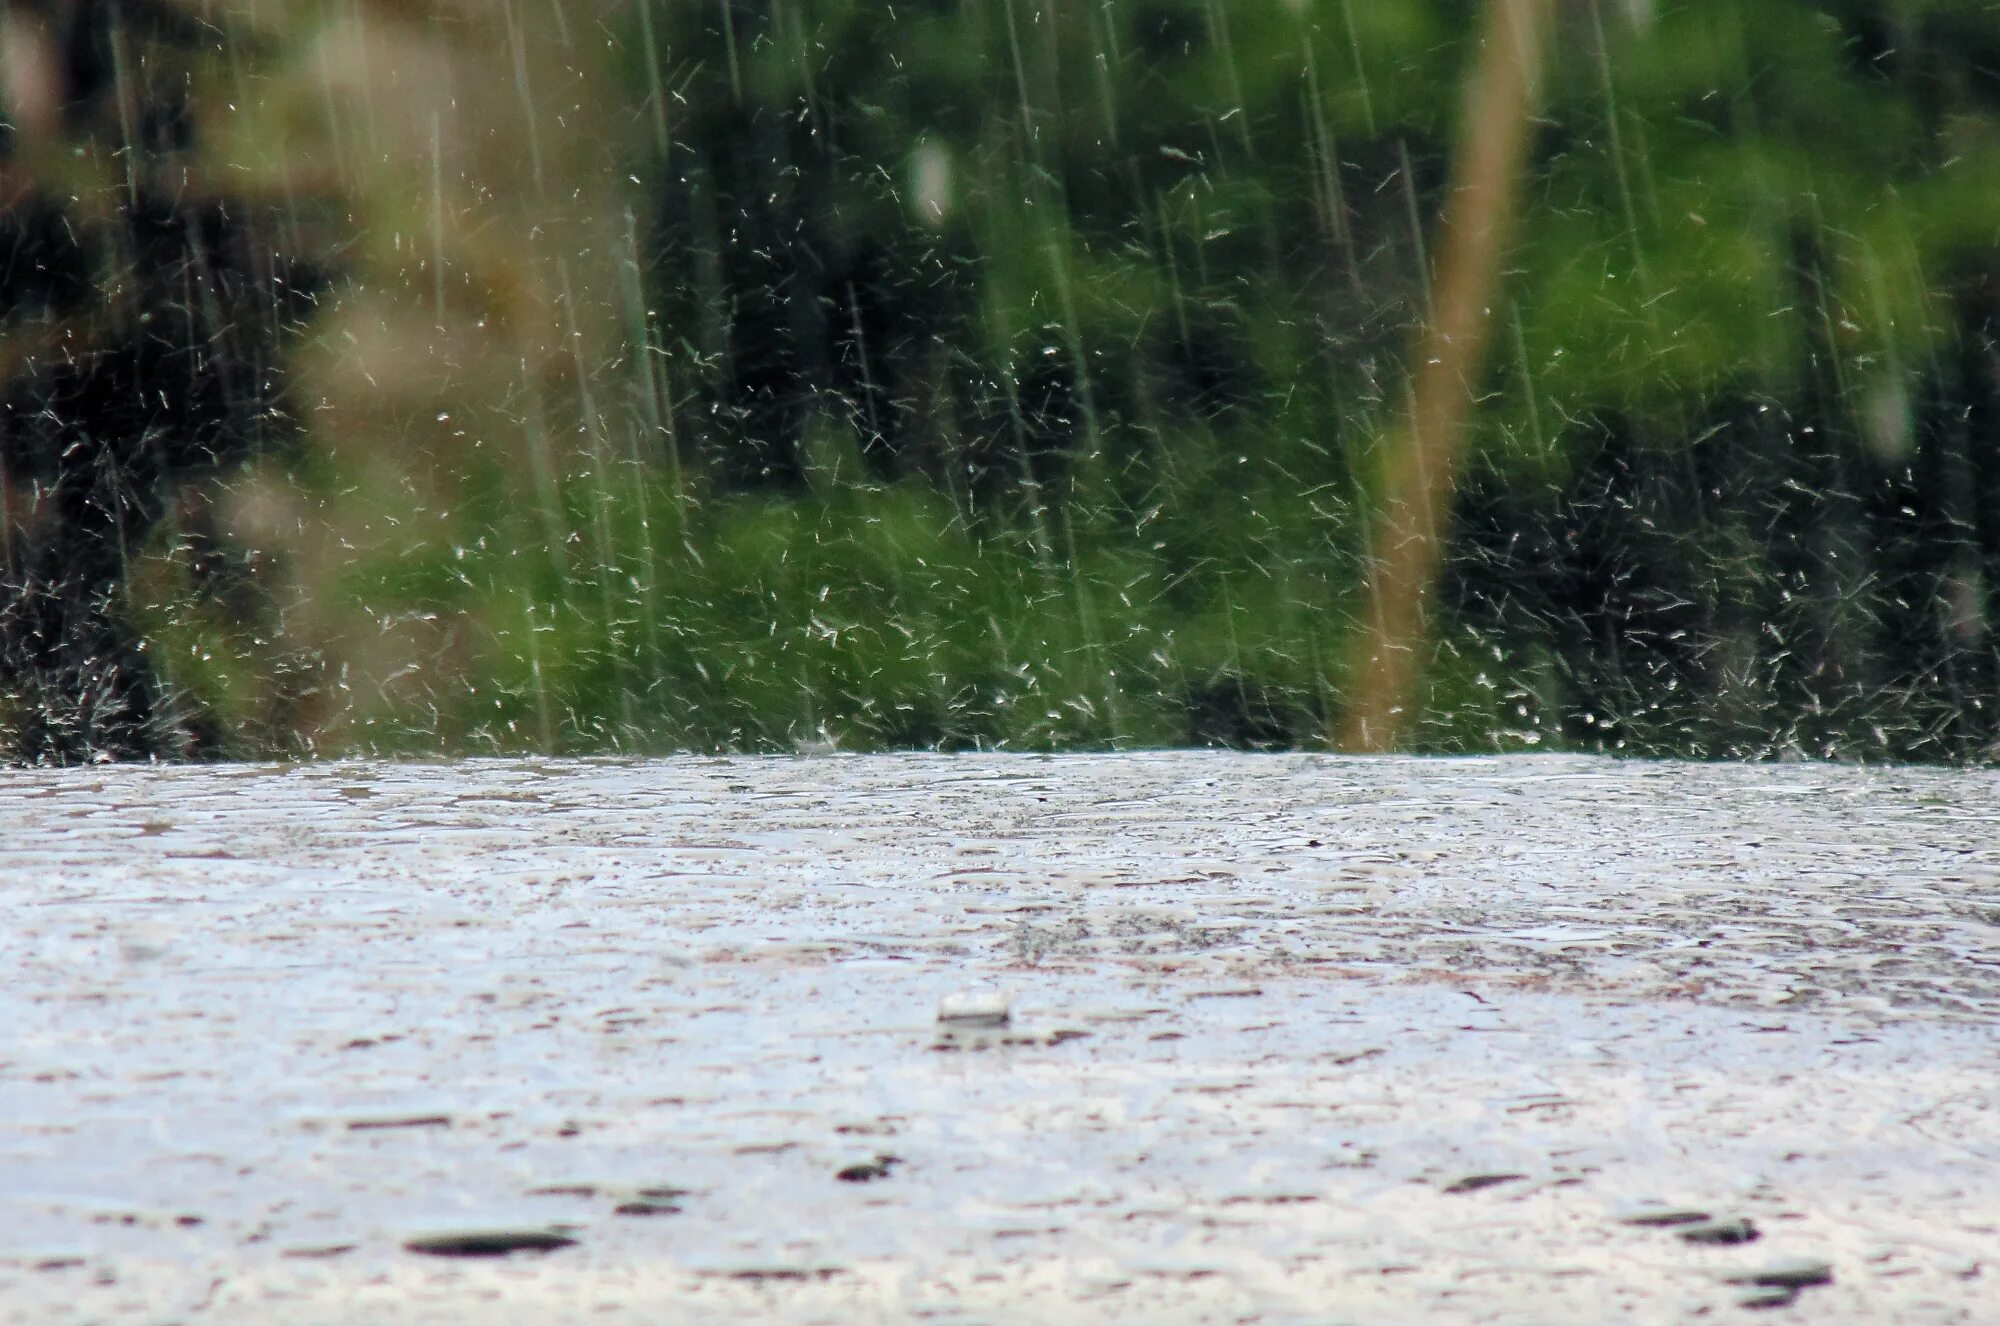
column 1420, row 462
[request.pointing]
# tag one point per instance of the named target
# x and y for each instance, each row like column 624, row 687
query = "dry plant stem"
column 1420, row 463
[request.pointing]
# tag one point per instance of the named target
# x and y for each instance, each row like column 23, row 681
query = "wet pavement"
column 1173, row 1037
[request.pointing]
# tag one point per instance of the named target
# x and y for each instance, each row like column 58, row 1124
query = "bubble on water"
column 976, row 1008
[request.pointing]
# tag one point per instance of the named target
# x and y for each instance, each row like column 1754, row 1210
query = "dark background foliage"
column 740, row 374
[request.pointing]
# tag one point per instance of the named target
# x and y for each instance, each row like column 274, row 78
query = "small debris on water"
column 1664, row 1217
column 1721, row 1232
column 56, row 1261
column 655, row 1200
column 662, row 1194
column 985, row 1036
column 379, row 1121
column 1345, row 1058
column 137, row 1219
column 488, row 1242
column 1793, row 1273
column 780, row 1271
column 867, row 1171
column 885, row 1127
column 1474, row 1182
column 317, row 1251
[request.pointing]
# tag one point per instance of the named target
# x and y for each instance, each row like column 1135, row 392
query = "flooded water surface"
column 984, row 1038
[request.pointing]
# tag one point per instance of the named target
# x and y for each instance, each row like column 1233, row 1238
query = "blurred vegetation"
column 748, row 375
